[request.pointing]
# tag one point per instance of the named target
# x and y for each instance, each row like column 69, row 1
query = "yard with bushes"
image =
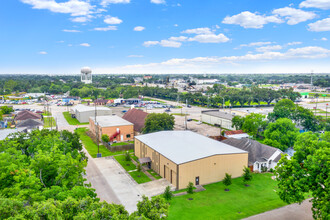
column 139, row 177
column 238, row 203
column 91, row 147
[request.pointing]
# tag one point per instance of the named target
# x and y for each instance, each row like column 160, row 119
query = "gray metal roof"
column 110, row 121
column 184, row 146
column 257, row 151
column 218, row 114
column 5, row 132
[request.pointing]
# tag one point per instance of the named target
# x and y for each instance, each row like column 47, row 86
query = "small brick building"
column 114, row 126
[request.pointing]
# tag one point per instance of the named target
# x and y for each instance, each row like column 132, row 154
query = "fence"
column 119, row 147
column 109, row 147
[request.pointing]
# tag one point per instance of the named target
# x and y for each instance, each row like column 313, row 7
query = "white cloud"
column 43, row 52
column 109, row 28
column 256, row 44
column 169, row 43
column 181, row 38
column 139, row 28
column 158, row 1
column 204, row 30
column 150, row 43
column 321, row 4
column 321, row 25
column 163, row 43
column 112, row 20
column 73, row 7
column 107, row 2
column 293, row 43
column 85, row 45
column 217, row 64
column 210, row 38
column 324, row 39
column 269, row 48
column 80, row 19
column 294, row 16
column 175, row 25
column 71, row 31
column 135, row 56
column 247, row 19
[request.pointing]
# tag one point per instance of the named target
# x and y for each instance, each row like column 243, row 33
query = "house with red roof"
column 137, row 118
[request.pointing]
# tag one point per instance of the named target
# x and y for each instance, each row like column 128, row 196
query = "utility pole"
column 326, row 112
column 97, row 131
column 186, row 114
column 223, row 103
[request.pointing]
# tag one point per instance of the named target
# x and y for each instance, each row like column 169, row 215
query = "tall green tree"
column 158, row 122
column 238, row 122
column 254, row 124
column 281, row 134
column 307, row 172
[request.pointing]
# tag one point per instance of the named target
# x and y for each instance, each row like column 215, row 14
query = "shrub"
column 190, row 188
column 227, row 180
column 271, row 170
column 138, row 167
column 105, row 138
column 263, row 169
column 127, row 156
column 168, row 193
column 247, row 176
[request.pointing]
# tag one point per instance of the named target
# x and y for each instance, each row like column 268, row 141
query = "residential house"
column 25, row 115
column 137, row 117
column 260, row 155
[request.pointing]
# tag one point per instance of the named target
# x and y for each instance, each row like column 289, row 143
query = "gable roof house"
column 260, row 155
column 25, row 115
column 30, row 124
column 136, row 117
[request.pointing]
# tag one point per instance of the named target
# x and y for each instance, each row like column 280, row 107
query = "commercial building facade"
column 218, row 118
column 82, row 112
column 184, row 156
column 114, row 126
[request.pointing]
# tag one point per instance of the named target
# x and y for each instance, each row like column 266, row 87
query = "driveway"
column 126, row 189
column 289, row 212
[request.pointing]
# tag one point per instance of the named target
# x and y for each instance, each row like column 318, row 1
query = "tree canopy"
column 307, row 172
column 281, row 134
column 158, row 122
column 42, row 178
column 254, row 124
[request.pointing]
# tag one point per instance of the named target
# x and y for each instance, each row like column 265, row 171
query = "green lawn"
column 47, row 114
column 122, row 143
column 154, row 174
column 49, row 122
column 139, row 177
column 238, row 203
column 181, row 190
column 91, row 147
column 72, row 121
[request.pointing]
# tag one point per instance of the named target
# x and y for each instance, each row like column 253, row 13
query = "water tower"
column 86, row 75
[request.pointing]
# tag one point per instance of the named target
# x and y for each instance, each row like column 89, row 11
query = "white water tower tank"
column 86, row 75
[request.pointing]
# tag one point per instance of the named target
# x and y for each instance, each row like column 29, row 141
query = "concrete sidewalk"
column 289, row 212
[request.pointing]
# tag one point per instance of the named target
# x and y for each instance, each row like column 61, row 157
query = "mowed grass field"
column 238, row 203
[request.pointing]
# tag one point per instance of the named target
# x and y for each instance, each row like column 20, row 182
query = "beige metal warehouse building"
column 184, row 156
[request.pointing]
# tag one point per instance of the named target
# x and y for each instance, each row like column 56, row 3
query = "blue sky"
column 164, row 36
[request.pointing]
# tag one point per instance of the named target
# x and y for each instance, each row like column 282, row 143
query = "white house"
column 260, row 155
column 82, row 112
